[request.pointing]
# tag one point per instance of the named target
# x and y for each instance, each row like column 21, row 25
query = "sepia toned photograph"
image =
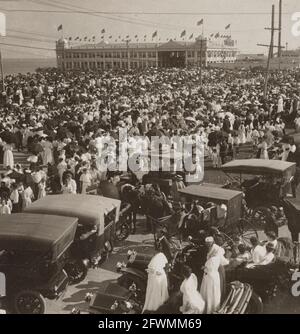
column 149, row 159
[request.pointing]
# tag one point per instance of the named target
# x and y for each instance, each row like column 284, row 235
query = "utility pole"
column 279, row 28
column 270, row 53
column 271, row 50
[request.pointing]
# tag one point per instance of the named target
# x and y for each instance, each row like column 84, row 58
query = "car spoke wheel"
column 76, row 271
column 29, row 302
column 260, row 217
column 122, row 232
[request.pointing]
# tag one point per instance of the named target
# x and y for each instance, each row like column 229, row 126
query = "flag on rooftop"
column 102, row 31
column 183, row 33
column 228, row 26
column 154, row 34
column 192, row 35
column 60, row 27
column 200, row 22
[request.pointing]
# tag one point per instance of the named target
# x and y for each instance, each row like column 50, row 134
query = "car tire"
column 29, row 302
column 122, row 232
column 76, row 271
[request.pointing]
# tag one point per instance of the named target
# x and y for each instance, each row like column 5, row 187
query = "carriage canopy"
column 232, row 199
column 214, row 194
column 260, row 167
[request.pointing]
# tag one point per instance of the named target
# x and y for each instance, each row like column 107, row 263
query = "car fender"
column 134, row 272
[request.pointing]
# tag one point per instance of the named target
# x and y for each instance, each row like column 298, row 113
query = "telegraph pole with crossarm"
column 271, row 50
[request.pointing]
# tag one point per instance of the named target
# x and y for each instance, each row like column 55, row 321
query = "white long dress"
column 192, row 301
column 8, row 157
column 48, row 153
column 157, row 285
column 28, row 196
column 211, row 286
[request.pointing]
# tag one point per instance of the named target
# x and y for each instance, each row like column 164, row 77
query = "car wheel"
column 29, row 302
column 76, row 271
column 122, row 232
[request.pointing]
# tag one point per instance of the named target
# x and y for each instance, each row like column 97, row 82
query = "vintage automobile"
column 33, row 253
column 128, row 294
column 97, row 219
column 265, row 184
column 268, row 279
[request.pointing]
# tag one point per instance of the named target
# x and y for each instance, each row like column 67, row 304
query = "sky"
column 34, row 23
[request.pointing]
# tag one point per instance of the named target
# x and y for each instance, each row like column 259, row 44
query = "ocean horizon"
column 25, row 65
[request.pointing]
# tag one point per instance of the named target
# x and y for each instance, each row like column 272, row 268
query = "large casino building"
column 141, row 55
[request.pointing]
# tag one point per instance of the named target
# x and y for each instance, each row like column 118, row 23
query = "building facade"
column 142, row 55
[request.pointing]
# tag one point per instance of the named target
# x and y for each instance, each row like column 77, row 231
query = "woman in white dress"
column 157, row 285
column 242, row 134
column 211, row 286
column 42, row 189
column 48, row 152
column 8, row 157
column 263, row 146
column 192, row 301
column 28, row 196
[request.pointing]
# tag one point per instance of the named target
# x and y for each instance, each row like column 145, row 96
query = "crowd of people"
column 61, row 121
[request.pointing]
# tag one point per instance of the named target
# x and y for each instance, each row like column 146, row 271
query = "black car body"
column 33, row 252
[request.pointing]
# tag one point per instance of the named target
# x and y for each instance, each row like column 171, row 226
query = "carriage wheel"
column 246, row 230
column 260, row 216
column 225, row 240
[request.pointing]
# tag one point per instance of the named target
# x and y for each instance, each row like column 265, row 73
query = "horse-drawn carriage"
column 265, row 183
column 207, row 210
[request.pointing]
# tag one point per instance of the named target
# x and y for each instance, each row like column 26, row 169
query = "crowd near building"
column 128, row 55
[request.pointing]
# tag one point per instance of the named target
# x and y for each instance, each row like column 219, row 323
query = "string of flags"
column 183, row 34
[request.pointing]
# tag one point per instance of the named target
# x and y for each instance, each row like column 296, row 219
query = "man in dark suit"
column 226, row 124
